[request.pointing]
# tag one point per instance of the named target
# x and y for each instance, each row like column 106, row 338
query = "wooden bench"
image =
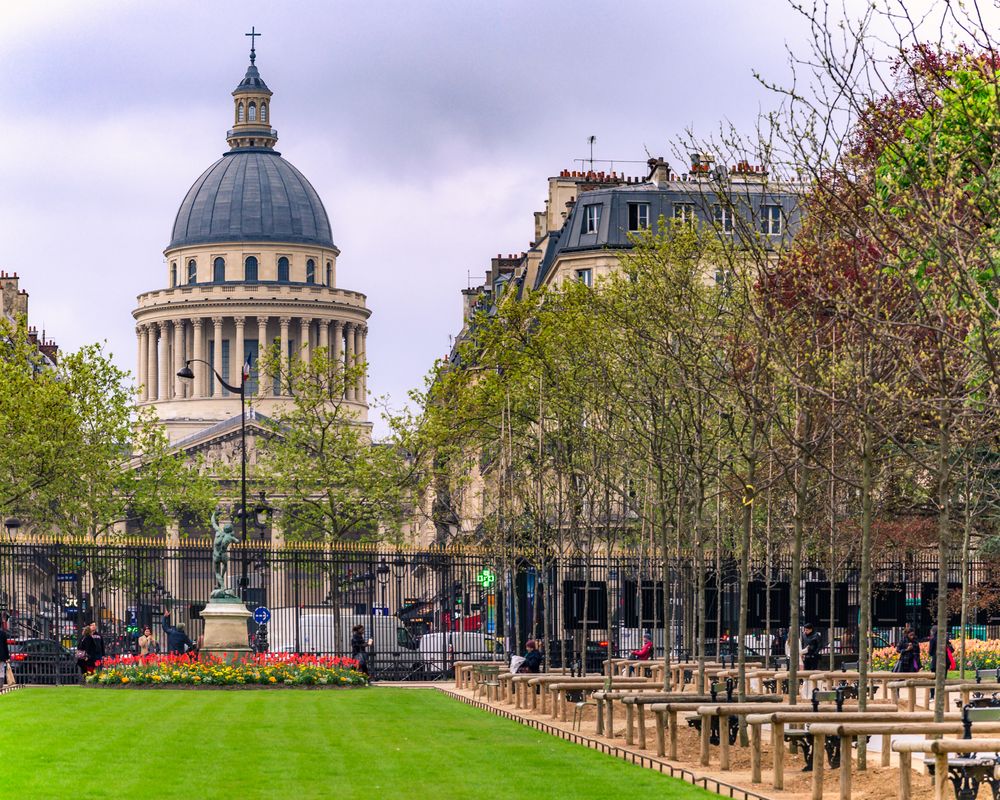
column 801, row 738
column 912, row 684
column 967, row 771
column 635, row 710
column 956, row 760
column 666, row 717
column 559, row 688
column 778, row 720
column 904, row 725
column 732, row 711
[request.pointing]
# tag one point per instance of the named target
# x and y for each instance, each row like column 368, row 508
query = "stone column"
column 152, row 368
column 323, row 338
column 364, row 360
column 304, row 325
column 198, row 351
column 141, row 365
column 284, row 322
column 179, row 350
column 359, row 357
column 350, row 362
column 262, row 344
column 338, row 343
column 239, row 351
column 217, row 355
column 164, row 383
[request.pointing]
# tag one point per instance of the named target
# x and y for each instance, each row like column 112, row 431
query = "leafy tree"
column 328, row 479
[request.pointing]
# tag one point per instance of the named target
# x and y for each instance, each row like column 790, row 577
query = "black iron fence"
column 425, row 609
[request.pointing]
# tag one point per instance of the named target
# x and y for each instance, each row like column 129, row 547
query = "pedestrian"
column 778, row 643
column 909, row 653
column 6, row 671
column 90, row 649
column 148, row 646
column 812, row 643
column 359, row 648
column 178, row 642
column 532, row 657
column 948, row 649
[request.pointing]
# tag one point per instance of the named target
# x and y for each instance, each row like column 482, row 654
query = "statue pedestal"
column 225, row 629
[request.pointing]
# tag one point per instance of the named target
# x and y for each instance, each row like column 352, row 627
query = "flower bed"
column 979, row 654
column 266, row 669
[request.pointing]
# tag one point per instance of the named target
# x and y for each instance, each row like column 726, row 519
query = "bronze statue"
column 220, row 556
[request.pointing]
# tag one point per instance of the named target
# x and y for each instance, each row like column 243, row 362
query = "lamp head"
column 186, row 373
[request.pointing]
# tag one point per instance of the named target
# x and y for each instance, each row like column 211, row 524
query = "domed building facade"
column 251, row 262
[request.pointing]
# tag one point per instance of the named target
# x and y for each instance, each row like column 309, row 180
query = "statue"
column 220, row 557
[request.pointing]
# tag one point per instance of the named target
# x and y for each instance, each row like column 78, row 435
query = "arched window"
column 263, row 112
column 192, row 271
column 239, row 112
column 173, row 274
column 283, row 270
column 310, row 271
column 219, row 270
column 329, row 274
column 252, row 112
column 250, row 269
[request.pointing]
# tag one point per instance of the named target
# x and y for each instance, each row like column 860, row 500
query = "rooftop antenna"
column 590, row 141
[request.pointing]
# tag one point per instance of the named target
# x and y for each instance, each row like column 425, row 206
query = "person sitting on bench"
column 532, row 658
column 645, row 652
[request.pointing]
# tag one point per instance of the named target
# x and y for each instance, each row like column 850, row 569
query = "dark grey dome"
column 251, row 196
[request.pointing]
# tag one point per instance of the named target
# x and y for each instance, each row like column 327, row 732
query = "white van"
column 323, row 630
column 438, row 651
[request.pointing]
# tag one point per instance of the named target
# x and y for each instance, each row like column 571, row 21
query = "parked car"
column 43, row 661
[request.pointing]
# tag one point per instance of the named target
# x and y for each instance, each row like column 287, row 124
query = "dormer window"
column 282, row 270
column 263, row 112
column 252, row 112
column 239, row 112
column 310, row 271
column 192, row 272
column 591, row 218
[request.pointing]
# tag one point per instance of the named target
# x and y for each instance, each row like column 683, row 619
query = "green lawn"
column 366, row 744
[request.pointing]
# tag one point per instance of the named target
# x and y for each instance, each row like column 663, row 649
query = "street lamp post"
column 188, row 374
column 11, row 524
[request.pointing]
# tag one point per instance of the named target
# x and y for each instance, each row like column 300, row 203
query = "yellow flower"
column 124, row 679
column 272, row 679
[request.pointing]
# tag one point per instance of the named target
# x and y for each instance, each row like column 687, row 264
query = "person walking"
column 909, row 653
column 90, row 650
column 148, row 646
column 178, row 642
column 948, row 649
column 6, row 671
column 359, row 648
column 812, row 643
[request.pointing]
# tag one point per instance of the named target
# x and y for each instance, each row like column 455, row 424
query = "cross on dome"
column 253, row 40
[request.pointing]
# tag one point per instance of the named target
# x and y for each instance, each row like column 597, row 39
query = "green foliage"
column 321, row 469
column 79, row 457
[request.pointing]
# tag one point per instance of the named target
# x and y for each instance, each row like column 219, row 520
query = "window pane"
column 250, row 274
column 219, row 270
column 283, row 269
column 192, row 271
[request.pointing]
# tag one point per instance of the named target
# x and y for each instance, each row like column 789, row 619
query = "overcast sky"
column 428, row 128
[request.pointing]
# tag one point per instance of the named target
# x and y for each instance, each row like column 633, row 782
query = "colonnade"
column 164, row 347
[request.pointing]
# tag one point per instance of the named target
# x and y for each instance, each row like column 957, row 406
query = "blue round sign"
column 261, row 615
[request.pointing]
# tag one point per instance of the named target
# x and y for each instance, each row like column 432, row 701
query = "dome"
column 251, row 196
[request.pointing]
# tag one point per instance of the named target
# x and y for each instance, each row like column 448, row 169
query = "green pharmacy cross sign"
column 486, row 578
